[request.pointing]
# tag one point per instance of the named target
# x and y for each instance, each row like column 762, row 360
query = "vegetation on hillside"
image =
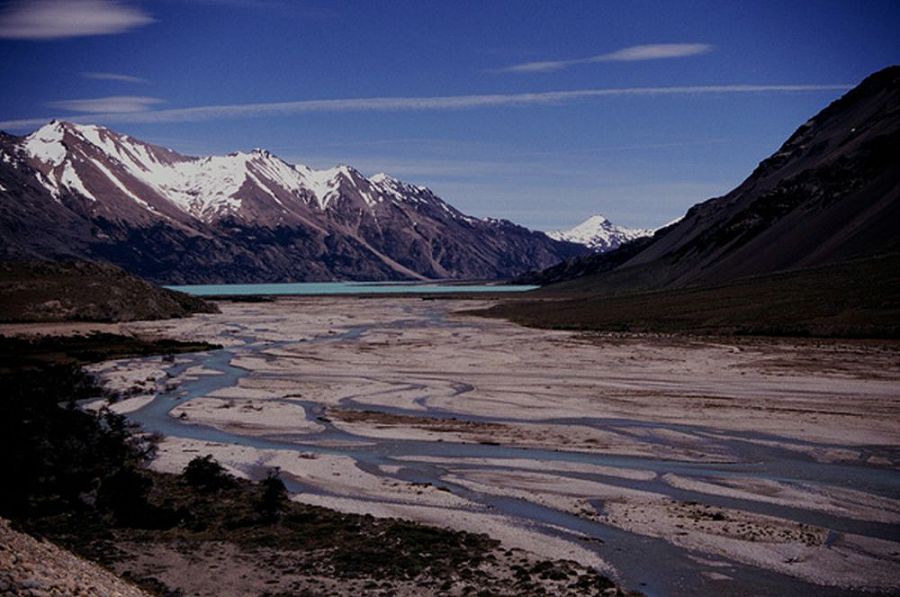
column 86, row 291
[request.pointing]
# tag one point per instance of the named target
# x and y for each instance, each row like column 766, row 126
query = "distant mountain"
column 830, row 194
column 85, row 191
column 599, row 234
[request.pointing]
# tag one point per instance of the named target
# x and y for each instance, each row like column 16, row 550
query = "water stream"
column 652, row 565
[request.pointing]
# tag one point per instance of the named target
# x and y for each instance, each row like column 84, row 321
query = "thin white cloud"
column 55, row 19
column 118, row 104
column 631, row 54
column 113, row 77
column 408, row 104
column 652, row 52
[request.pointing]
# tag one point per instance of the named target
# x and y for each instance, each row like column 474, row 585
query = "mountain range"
column 83, row 191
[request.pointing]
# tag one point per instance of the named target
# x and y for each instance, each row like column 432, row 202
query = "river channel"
column 478, row 423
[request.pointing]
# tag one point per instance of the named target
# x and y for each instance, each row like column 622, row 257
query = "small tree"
column 274, row 497
column 204, row 473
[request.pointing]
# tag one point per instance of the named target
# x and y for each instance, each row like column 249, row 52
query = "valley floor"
column 677, row 465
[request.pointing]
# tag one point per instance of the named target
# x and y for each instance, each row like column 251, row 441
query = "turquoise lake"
column 325, row 288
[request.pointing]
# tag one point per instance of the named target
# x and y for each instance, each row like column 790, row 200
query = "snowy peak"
column 85, row 160
column 131, row 177
column 52, row 142
column 599, row 234
column 398, row 190
column 241, row 217
column 45, row 144
column 592, row 224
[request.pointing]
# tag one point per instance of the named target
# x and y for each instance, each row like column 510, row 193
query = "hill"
column 85, row 291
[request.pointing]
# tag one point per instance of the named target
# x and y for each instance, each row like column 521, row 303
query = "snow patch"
column 71, row 180
column 675, row 221
column 48, row 183
column 45, row 144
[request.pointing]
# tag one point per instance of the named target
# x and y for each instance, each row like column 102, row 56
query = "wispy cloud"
column 401, row 104
column 631, row 54
column 113, row 77
column 54, row 19
column 119, row 104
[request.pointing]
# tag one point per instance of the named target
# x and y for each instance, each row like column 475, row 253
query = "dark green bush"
column 204, row 473
column 55, row 457
column 274, row 498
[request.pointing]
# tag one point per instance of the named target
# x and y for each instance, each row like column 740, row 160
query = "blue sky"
column 355, row 82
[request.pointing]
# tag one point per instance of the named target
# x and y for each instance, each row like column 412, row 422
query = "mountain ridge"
column 84, row 191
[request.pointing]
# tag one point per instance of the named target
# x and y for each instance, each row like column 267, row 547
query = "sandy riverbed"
column 774, row 459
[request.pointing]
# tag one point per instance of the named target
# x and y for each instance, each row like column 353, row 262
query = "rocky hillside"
column 29, row 566
column 83, row 291
column 830, row 194
column 83, row 191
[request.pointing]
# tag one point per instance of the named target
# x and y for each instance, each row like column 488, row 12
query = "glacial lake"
column 326, row 288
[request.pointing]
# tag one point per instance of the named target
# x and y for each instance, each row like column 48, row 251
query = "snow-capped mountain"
column 92, row 161
column 599, row 234
column 88, row 191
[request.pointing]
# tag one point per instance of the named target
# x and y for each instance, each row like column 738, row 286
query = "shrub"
column 204, row 473
column 54, row 458
column 274, row 498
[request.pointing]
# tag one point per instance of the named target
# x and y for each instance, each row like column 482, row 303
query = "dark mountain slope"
column 809, row 244
column 829, row 194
